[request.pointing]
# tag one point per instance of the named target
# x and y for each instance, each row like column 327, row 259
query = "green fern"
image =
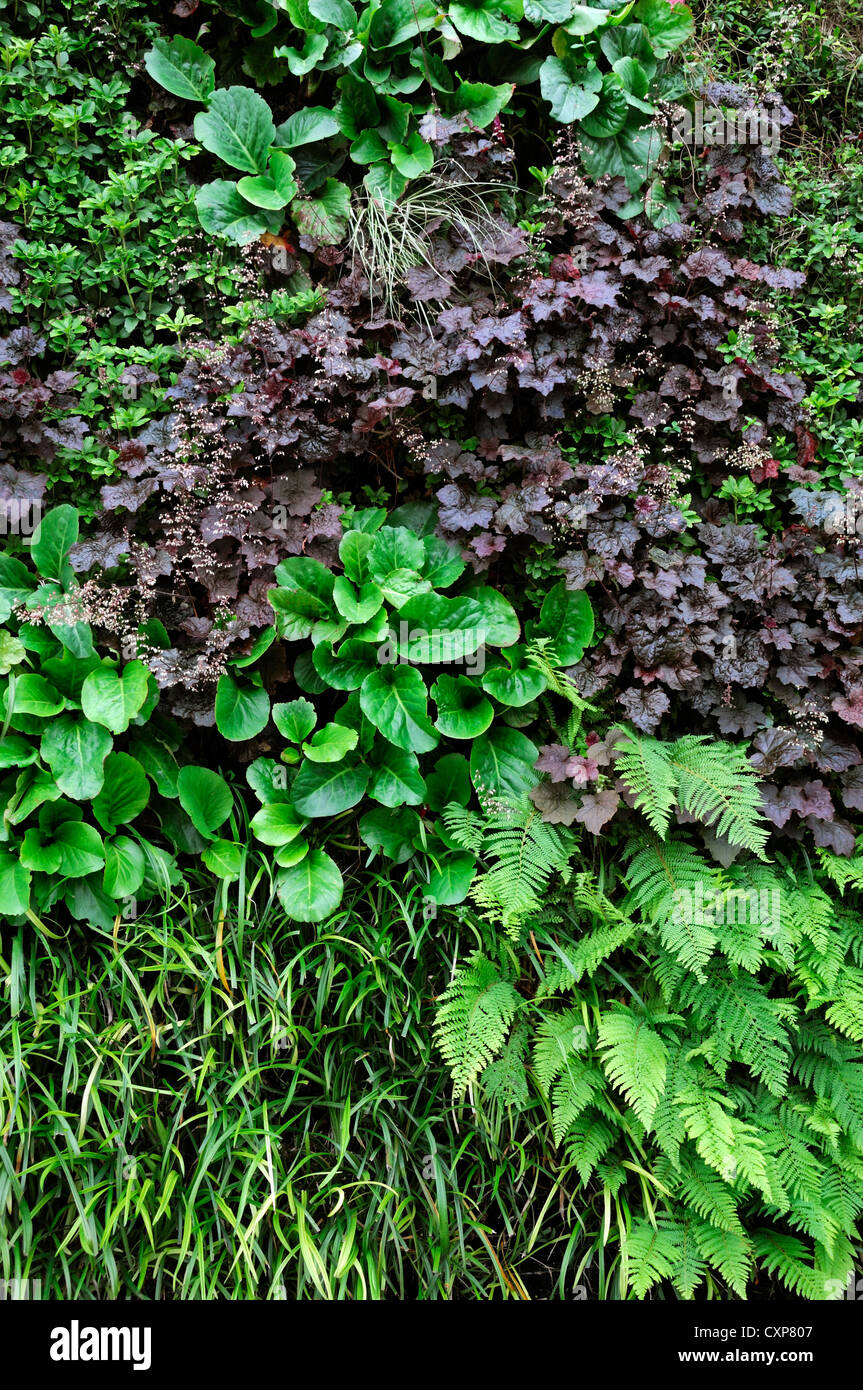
column 473, row 1019
column 710, row 779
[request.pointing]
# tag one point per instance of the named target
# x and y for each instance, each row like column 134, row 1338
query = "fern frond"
column 473, row 1018
column 635, row 1059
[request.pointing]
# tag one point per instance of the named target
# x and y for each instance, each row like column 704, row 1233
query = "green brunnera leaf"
column 449, row 882
column 413, row 158
column 304, row 597
column 312, row 889
column 499, row 621
column 501, row 763
column 463, row 711
column 238, row 128
column 52, row 540
column 277, row 823
column 567, row 618
column 396, row 778
column 14, row 884
column 306, row 127
column 394, row 698
column 327, row 789
column 125, row 792
column 611, row 114
column 294, row 720
column 124, row 867
column 667, row 26
column 516, row 683
column 261, row 191
column 331, row 743
column 112, row 698
column 324, row 217
column 182, row 68
column 223, row 212
column 393, row 832
column 242, row 711
column 205, row 797
column 572, row 93
column 75, row 750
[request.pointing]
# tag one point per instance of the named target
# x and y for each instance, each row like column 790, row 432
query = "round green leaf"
column 347, row 671
column 222, row 211
column 124, row 867
column 125, row 792
column 81, row 849
column 331, row 743
column 277, row 824
column 572, row 96
column 448, row 781
column 242, row 711
column 327, row 789
column 112, row 698
column 34, row 695
column 463, row 711
column 324, row 217
column 611, row 114
column 393, row 832
column 205, row 797
column 182, row 68
column 394, row 698
column 306, row 127
column 261, row 192
column 567, row 618
column 501, row 763
column 75, row 750
column 238, row 128
column 396, row 778
column 516, row 683
column 312, row 889
column 450, row 881
column 14, row 884
column 294, row 720
column 224, row 858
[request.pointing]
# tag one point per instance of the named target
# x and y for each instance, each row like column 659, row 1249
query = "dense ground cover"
column 431, row 694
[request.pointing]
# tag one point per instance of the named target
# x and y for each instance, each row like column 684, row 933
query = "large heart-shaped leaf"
column 448, row 781
column 242, row 710
column 113, row 698
column 463, row 711
column 668, row 26
column 182, row 68
column 393, row 832
column 501, row 763
column 205, row 797
column 571, row 92
column 81, row 849
column 398, row 20
column 451, row 879
column 327, row 789
column 480, row 101
column 75, row 750
column 294, row 720
column 396, row 778
column 34, row 695
column 14, row 884
column 567, row 618
column 438, row 630
column 124, row 867
column 324, row 217
column 349, row 667
column 222, row 211
column 312, row 889
column 52, row 540
column 306, row 127
column 125, row 792
column 238, row 128
column 517, row 682
column 394, row 698
column 303, row 598
column 479, row 23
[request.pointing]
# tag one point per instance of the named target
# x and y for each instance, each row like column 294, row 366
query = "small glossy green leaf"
column 394, row 698
column 112, row 698
column 312, row 889
column 242, row 711
column 205, row 797
column 294, row 720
